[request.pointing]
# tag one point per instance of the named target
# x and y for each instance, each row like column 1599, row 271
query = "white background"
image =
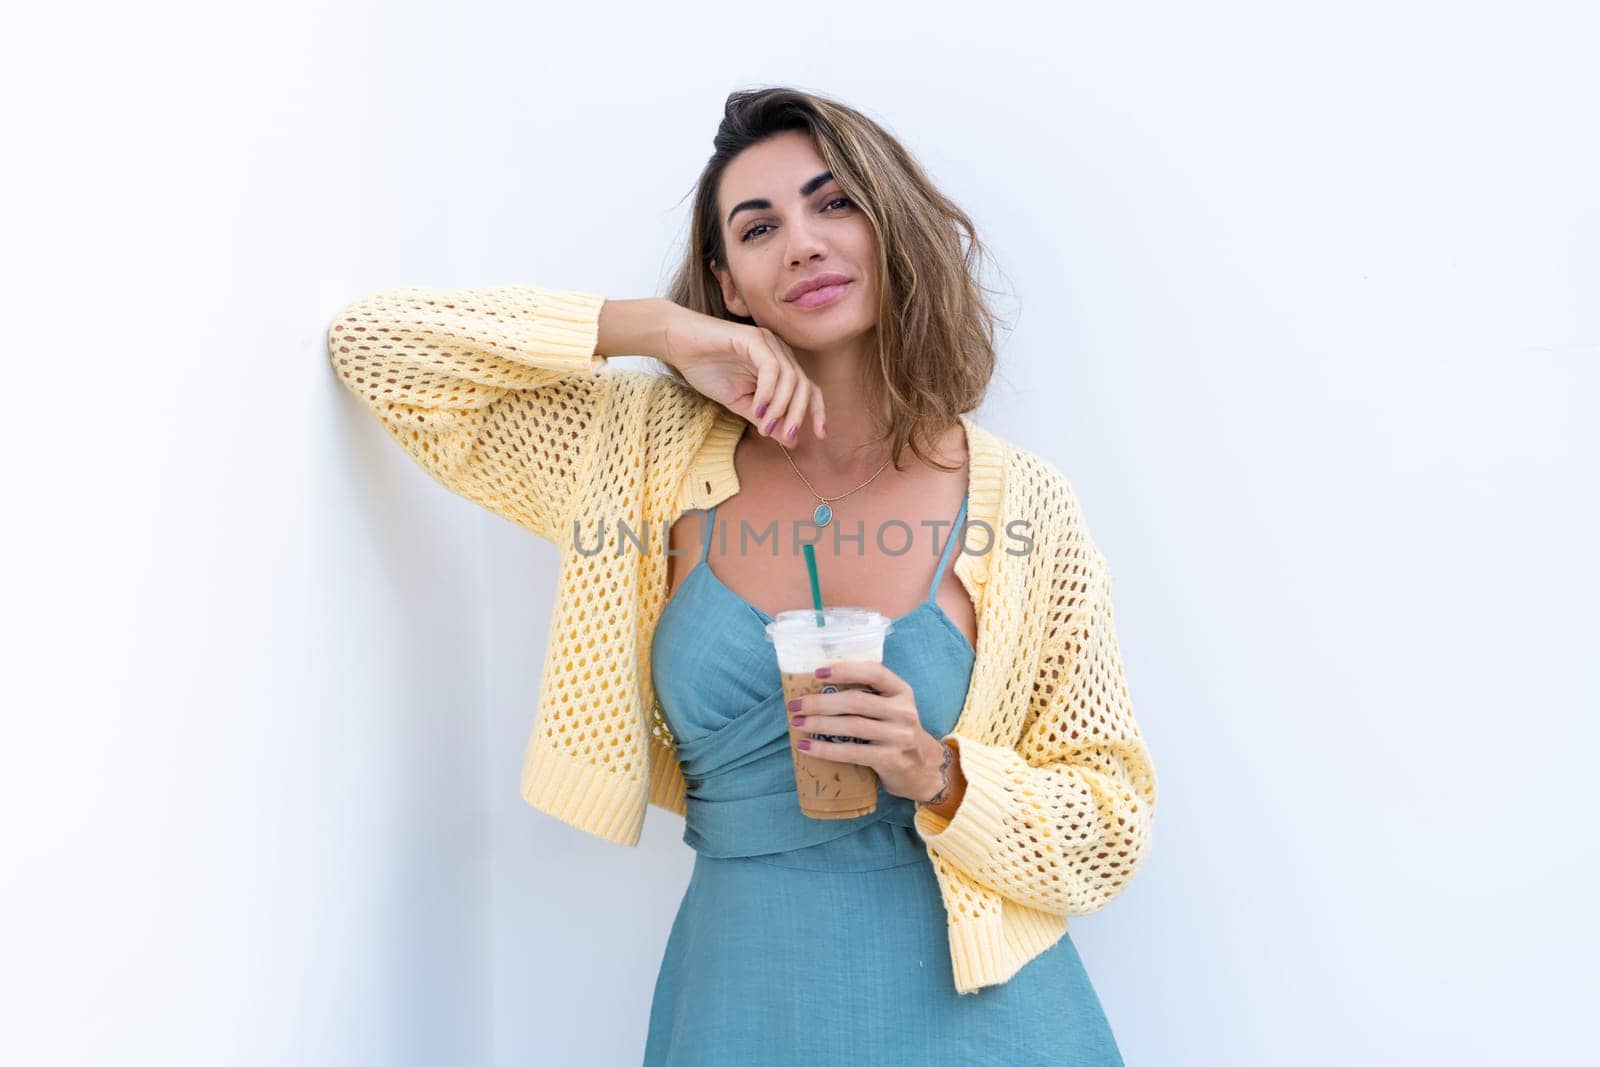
column 1305, row 307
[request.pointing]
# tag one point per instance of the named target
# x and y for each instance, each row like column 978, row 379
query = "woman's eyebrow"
column 807, row 189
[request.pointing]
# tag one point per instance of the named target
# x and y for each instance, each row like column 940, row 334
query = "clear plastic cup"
column 805, row 639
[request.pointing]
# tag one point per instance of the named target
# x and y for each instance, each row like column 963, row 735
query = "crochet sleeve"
column 1060, row 822
column 494, row 391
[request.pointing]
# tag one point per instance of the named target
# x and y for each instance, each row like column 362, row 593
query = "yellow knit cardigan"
column 498, row 393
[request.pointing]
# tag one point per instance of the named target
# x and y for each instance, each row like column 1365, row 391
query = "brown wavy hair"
column 935, row 347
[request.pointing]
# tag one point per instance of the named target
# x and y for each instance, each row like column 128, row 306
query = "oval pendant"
column 822, row 515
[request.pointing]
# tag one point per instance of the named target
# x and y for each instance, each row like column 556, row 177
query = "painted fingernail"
column 824, row 672
column 762, row 410
column 792, row 431
column 794, row 705
column 805, row 744
column 768, row 427
column 798, row 720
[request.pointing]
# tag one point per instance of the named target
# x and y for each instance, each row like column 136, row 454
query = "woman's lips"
column 818, row 297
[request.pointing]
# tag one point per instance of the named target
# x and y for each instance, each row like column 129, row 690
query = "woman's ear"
column 730, row 294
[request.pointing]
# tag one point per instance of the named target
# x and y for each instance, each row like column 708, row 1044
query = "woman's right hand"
column 743, row 368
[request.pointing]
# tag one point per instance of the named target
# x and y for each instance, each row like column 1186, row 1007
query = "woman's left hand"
column 905, row 756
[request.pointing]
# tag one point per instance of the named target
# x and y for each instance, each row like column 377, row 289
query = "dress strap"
column 705, row 534
column 955, row 532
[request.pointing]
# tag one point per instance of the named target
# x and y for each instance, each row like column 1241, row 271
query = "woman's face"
column 785, row 220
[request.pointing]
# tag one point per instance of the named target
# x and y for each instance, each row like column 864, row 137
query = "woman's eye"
column 751, row 232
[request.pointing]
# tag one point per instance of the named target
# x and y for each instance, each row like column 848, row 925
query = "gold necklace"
column 824, row 511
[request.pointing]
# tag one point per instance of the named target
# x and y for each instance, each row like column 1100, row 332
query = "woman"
column 825, row 323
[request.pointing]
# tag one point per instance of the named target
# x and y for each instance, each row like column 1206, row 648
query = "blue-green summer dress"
column 823, row 941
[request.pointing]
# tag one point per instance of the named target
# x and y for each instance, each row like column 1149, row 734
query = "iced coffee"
column 803, row 641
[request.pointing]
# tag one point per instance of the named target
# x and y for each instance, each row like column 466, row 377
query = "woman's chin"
column 818, row 335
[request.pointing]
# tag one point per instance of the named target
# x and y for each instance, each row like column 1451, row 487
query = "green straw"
column 816, row 586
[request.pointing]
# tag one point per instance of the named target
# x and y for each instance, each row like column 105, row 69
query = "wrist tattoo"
column 944, row 776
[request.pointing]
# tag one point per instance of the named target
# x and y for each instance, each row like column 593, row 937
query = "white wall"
column 1305, row 307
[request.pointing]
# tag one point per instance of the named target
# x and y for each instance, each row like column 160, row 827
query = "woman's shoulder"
column 655, row 397
column 1038, row 491
column 1030, row 477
